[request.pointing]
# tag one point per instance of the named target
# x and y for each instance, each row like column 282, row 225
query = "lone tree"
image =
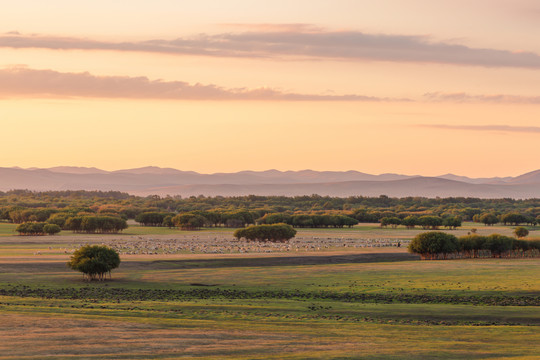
column 94, row 261
column 521, row 232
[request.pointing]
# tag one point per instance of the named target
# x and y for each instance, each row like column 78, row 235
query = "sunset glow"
column 416, row 87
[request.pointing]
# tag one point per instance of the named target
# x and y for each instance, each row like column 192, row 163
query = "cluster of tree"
column 308, row 221
column 19, row 216
column 438, row 245
column 275, row 233
column 153, row 218
column 37, row 228
column 512, row 218
column 94, row 261
column 426, row 222
column 96, row 224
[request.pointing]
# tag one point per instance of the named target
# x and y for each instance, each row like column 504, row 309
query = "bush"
column 274, row 233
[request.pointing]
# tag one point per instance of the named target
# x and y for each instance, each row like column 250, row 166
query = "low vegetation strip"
column 120, row 294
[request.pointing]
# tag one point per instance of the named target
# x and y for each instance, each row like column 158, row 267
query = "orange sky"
column 416, row 87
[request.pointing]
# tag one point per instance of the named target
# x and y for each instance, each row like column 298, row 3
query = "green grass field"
column 361, row 303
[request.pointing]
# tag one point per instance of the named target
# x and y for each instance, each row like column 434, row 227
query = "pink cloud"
column 296, row 40
column 25, row 82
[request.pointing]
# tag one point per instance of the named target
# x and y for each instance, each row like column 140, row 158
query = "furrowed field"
column 343, row 293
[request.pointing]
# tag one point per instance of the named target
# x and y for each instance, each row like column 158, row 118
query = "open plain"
column 344, row 293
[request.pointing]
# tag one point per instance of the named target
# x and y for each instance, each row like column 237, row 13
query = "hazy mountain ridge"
column 167, row 181
column 421, row 187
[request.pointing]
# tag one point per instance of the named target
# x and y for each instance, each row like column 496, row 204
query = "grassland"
column 349, row 302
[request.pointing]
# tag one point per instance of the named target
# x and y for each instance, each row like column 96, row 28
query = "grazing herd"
column 227, row 244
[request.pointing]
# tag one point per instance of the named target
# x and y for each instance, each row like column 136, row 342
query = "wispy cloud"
column 484, row 128
column 24, row 82
column 296, row 40
column 481, row 98
column 286, row 28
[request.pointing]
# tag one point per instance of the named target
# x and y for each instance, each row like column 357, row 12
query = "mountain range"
column 167, row 181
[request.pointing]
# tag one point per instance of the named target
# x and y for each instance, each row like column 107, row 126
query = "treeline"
column 37, row 228
column 21, row 206
column 438, row 245
column 373, row 206
column 197, row 219
column 512, row 218
column 96, row 224
column 87, row 224
column 309, row 221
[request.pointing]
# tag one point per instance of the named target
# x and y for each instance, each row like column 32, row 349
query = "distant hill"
column 421, row 186
column 167, row 181
column 532, row 177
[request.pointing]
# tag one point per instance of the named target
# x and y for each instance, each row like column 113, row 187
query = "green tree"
column 521, row 232
column 393, row 221
column 452, row 222
column 168, row 221
column 430, row 222
column 410, row 221
column 513, row 218
column 151, row 218
column 489, row 219
column 51, row 229
column 189, row 221
column 94, row 261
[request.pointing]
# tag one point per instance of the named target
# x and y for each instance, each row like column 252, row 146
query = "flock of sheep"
column 201, row 244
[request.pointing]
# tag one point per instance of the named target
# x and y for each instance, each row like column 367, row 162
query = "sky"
column 413, row 87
